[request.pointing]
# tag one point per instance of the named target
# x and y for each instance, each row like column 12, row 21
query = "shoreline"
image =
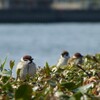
column 48, row 16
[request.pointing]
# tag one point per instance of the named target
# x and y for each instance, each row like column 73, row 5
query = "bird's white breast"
column 62, row 61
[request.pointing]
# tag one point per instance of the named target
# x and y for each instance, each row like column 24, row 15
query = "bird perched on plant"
column 26, row 67
column 63, row 59
column 76, row 59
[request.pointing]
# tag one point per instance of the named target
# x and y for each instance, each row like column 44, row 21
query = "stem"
column 83, row 70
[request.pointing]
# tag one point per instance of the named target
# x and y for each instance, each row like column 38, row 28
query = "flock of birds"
column 28, row 67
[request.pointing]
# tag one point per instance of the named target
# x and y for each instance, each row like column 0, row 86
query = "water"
column 45, row 42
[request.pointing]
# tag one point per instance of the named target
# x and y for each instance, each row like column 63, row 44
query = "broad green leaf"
column 64, row 97
column 52, row 83
column 84, row 89
column 24, row 92
column 12, row 63
column 8, row 87
column 68, row 85
column 76, row 96
column 6, row 72
column 5, row 79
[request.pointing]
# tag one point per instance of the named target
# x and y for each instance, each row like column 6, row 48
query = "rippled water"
column 45, row 42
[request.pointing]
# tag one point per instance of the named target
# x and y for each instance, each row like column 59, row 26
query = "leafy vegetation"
column 52, row 83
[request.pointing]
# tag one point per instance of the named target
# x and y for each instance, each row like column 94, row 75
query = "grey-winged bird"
column 26, row 67
column 63, row 59
column 76, row 59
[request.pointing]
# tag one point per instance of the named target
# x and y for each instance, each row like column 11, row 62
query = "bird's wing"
column 70, row 60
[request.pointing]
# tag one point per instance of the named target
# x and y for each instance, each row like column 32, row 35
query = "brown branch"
column 79, row 66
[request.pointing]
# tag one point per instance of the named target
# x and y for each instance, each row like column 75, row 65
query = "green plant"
column 52, row 83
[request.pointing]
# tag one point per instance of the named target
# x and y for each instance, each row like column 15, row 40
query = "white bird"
column 26, row 67
column 63, row 59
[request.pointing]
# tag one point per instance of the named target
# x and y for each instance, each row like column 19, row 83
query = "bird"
column 76, row 59
column 63, row 59
column 26, row 67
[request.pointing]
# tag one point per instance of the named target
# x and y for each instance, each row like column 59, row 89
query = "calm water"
column 45, row 42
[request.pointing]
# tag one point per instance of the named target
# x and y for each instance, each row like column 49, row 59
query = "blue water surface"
column 45, row 42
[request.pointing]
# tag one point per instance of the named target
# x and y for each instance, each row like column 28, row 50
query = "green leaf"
column 6, row 72
column 12, row 63
column 76, row 96
column 47, row 69
column 64, row 97
column 8, row 87
column 47, row 65
column 5, row 79
column 18, row 72
column 24, row 92
column 68, row 85
column 84, row 89
column 52, row 83
column 3, row 64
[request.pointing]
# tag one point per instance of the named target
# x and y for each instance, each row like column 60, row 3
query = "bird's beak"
column 73, row 57
column 32, row 59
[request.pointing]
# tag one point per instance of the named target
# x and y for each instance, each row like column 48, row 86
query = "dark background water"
column 45, row 42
